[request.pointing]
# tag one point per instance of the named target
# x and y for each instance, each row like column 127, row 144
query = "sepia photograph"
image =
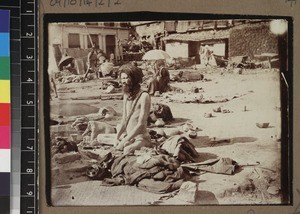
column 169, row 112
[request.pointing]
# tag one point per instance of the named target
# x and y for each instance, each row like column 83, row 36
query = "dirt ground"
column 253, row 97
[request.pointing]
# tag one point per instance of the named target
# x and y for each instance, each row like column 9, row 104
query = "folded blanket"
column 180, row 148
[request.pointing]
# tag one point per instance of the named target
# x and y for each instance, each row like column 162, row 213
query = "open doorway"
column 110, row 44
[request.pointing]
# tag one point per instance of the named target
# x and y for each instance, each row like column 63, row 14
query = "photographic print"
column 170, row 112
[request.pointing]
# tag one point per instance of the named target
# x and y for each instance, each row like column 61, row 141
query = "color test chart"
column 5, row 112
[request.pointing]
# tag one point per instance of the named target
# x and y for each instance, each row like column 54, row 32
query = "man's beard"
column 127, row 88
column 130, row 90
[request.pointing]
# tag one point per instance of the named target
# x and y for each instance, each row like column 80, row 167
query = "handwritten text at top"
column 85, row 3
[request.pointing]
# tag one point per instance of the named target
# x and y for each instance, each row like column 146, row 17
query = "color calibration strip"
column 5, row 112
column 14, row 6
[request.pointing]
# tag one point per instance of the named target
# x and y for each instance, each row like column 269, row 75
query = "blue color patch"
column 4, row 44
column 4, row 21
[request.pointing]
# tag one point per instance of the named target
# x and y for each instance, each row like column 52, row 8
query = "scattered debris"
column 217, row 110
column 224, row 111
column 192, row 134
column 197, row 89
column 262, row 125
column 273, row 190
column 187, row 127
column 208, row 115
column 199, row 98
column 220, row 141
column 61, row 145
column 187, row 192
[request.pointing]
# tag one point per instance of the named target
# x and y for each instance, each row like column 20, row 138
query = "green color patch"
column 4, row 68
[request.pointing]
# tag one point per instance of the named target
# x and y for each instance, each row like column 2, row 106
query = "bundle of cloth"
column 159, row 173
column 159, row 170
column 155, row 170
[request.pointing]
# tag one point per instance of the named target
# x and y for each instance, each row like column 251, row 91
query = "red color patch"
column 5, row 114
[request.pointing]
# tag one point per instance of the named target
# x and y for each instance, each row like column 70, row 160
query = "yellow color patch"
column 4, row 91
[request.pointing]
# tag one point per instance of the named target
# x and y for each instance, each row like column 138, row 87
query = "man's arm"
column 144, row 113
column 122, row 125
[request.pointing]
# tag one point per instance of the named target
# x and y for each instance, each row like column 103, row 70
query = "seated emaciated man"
column 136, row 109
column 161, row 79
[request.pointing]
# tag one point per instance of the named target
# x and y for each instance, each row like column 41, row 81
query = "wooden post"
column 89, row 36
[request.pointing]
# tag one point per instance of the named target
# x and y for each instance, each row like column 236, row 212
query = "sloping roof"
column 199, row 36
column 142, row 23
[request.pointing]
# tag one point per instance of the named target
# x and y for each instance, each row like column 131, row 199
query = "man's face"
column 126, row 83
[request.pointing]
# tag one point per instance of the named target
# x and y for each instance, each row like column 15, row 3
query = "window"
column 74, row 40
column 95, row 40
column 109, row 24
column 92, row 23
column 222, row 23
column 123, row 24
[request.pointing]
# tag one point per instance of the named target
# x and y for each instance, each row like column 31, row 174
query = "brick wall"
column 251, row 39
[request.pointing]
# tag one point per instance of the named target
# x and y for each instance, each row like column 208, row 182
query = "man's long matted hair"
column 134, row 73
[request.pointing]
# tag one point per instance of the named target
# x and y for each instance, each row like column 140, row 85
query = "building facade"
column 224, row 38
column 82, row 36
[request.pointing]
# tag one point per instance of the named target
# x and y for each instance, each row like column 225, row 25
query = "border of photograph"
column 286, row 89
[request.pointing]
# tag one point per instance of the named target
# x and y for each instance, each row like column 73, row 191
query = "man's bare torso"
column 133, row 120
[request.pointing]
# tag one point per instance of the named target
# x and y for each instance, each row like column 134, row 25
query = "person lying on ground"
column 136, row 108
column 178, row 77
